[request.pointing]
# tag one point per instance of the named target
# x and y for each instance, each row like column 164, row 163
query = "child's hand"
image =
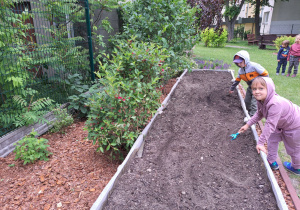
column 261, row 148
column 278, row 60
column 243, row 129
column 230, row 91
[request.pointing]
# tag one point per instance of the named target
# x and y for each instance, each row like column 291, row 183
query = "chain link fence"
column 42, row 43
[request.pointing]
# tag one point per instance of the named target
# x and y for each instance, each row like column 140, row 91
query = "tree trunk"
column 230, row 28
column 256, row 19
column 230, row 23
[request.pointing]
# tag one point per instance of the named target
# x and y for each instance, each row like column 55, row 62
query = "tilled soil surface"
column 189, row 161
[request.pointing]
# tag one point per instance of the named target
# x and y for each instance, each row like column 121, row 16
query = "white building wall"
column 286, row 17
column 266, row 15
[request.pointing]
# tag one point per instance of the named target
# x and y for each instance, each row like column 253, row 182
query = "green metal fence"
column 42, row 42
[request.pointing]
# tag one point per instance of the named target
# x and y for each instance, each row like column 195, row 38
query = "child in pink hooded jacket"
column 282, row 123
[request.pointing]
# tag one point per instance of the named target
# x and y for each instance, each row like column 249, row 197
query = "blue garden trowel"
column 234, row 136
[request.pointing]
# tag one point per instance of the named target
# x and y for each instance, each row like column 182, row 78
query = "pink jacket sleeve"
column 274, row 114
column 255, row 118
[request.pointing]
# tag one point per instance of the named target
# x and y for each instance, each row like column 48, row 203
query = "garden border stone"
column 7, row 141
column 137, row 148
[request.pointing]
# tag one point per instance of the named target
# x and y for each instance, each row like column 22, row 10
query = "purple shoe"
column 289, row 167
column 294, row 75
column 288, row 75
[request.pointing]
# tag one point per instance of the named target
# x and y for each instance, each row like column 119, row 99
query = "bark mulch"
column 73, row 178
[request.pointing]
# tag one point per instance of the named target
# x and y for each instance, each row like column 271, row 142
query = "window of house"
column 266, row 17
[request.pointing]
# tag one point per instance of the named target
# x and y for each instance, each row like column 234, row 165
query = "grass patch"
column 285, row 86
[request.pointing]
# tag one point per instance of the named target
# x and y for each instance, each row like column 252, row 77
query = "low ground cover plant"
column 63, row 119
column 130, row 79
column 211, row 64
column 29, row 149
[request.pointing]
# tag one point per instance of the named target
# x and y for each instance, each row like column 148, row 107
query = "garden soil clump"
column 189, row 160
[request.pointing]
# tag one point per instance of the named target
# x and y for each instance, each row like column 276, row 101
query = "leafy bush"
column 239, row 31
column 63, row 119
column 129, row 97
column 26, row 110
column 82, row 91
column 13, row 44
column 30, row 149
column 280, row 39
column 245, row 34
column 212, row 38
column 170, row 24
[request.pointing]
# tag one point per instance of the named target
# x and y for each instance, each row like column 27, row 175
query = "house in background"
column 266, row 14
column 286, row 18
column 246, row 18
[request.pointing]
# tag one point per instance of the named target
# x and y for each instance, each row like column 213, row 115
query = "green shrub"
column 63, row 119
column 82, row 91
column 212, row 38
column 245, row 34
column 30, row 149
column 169, row 24
column 280, row 39
column 129, row 97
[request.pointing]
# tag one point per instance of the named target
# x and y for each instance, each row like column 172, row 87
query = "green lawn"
column 285, row 86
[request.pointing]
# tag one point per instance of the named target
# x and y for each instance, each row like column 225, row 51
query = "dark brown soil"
column 189, row 161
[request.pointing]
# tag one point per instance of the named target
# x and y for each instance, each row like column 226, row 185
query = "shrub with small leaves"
column 279, row 40
column 212, row 38
column 63, row 119
column 30, row 149
column 129, row 96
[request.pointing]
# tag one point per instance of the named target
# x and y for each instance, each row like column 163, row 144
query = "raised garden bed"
column 189, row 161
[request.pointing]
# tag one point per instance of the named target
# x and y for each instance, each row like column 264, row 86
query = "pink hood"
column 280, row 113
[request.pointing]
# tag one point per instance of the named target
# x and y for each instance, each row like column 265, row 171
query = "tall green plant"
column 129, row 96
column 167, row 23
column 13, row 43
column 26, row 109
column 60, row 55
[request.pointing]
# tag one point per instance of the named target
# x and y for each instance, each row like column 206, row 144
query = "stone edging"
column 7, row 141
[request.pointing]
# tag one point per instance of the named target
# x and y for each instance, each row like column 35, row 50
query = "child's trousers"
column 294, row 61
column 283, row 64
column 250, row 102
column 291, row 140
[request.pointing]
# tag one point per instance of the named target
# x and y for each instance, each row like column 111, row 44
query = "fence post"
column 89, row 34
